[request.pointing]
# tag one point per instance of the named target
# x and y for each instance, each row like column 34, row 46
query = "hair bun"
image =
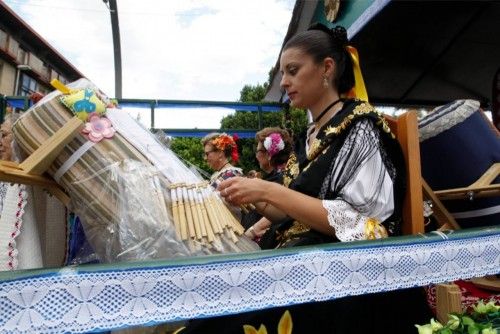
column 338, row 33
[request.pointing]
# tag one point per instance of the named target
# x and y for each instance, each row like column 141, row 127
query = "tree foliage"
column 255, row 93
column 191, row 150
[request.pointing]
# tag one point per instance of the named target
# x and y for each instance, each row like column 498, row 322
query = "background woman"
column 218, row 149
column 273, row 148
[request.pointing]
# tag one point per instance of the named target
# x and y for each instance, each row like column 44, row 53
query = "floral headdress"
column 274, row 144
column 225, row 141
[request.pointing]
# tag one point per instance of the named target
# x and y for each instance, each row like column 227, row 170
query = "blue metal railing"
column 23, row 102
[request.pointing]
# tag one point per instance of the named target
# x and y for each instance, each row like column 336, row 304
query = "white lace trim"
column 349, row 224
column 87, row 299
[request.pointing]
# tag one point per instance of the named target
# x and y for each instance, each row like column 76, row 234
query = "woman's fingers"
column 225, row 190
column 240, row 190
column 222, row 188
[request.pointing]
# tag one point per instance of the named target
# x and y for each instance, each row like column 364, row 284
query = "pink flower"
column 273, row 143
column 98, row 128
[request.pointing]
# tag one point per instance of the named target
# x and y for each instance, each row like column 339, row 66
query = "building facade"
column 27, row 61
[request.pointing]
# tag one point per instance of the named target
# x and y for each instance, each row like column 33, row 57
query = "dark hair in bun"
column 321, row 42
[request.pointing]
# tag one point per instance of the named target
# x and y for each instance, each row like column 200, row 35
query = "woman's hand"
column 257, row 230
column 282, row 201
column 242, row 190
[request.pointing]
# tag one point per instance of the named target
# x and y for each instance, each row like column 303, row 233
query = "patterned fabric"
column 226, row 172
column 445, row 117
column 470, row 295
column 11, row 222
column 41, row 122
column 103, row 297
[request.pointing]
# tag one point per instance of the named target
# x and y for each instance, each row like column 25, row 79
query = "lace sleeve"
column 363, row 186
column 349, row 224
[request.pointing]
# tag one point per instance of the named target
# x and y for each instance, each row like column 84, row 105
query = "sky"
column 171, row 49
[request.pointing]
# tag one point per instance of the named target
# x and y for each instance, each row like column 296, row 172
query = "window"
column 28, row 85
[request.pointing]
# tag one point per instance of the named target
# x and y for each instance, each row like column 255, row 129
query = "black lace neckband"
column 324, row 112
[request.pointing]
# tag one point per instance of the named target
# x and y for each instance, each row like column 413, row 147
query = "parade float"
column 131, row 191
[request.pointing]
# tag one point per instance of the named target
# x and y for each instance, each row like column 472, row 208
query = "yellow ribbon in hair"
column 359, row 89
column 374, row 230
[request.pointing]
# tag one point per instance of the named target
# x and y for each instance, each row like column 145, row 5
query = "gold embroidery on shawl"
column 314, row 149
column 291, row 170
column 292, row 233
column 360, row 109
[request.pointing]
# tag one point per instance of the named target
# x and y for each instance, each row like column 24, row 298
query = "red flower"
column 225, row 141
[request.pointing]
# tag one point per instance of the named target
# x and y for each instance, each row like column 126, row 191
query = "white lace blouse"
column 368, row 195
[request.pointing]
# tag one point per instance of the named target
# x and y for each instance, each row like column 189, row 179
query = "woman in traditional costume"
column 345, row 182
column 273, row 148
column 219, row 149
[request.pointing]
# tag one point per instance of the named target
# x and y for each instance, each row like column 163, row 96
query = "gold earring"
column 325, row 82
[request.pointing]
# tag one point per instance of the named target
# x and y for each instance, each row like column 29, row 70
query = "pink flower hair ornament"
column 98, row 128
column 273, row 144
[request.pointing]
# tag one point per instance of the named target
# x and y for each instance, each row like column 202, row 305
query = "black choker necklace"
column 324, row 112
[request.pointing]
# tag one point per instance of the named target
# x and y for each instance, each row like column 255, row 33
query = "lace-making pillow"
column 457, row 145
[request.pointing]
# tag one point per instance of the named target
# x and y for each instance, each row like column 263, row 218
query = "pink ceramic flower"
column 98, row 128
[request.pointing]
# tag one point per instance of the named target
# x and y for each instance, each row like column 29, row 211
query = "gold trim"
column 314, row 149
column 362, row 109
column 292, row 233
column 291, row 170
column 374, row 230
column 359, row 110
